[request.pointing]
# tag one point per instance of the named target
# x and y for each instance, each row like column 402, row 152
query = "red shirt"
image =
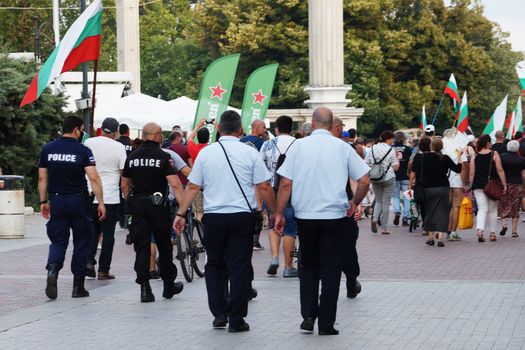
column 195, row 148
column 182, row 151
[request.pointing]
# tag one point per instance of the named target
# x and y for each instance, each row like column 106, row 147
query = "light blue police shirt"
column 211, row 171
column 319, row 166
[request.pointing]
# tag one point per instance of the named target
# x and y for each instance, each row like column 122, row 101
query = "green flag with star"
column 257, row 95
column 216, row 88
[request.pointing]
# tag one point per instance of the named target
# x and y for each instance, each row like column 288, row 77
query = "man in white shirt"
column 315, row 173
column 271, row 150
column 110, row 156
column 228, row 171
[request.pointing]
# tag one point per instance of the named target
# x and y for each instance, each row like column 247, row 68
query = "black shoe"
column 172, row 288
column 146, row 296
column 396, row 219
column 329, row 331
column 78, row 288
column 253, row 294
column 90, row 270
column 503, row 231
column 308, row 324
column 154, row 275
column 128, row 239
column 52, row 276
column 240, row 327
column 405, row 223
column 220, row 321
column 353, row 287
column 430, row 242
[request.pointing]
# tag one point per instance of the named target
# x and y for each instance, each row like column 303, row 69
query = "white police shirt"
column 319, row 166
column 211, row 171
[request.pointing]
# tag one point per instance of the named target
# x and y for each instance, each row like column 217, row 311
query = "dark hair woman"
column 484, row 164
column 431, row 169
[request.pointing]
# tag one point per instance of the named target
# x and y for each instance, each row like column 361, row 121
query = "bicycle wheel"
column 184, row 255
column 199, row 253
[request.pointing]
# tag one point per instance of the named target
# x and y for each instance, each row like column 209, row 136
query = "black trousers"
column 229, row 246
column 351, row 263
column 322, row 249
column 107, row 229
column 149, row 219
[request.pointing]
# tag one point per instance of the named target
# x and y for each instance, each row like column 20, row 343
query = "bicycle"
column 190, row 248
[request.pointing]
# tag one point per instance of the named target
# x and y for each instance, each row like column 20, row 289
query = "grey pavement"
column 467, row 295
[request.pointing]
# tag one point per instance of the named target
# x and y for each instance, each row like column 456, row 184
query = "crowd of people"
column 233, row 184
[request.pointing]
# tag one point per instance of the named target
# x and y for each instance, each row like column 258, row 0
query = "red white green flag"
column 80, row 44
column 516, row 120
column 423, row 122
column 463, row 114
column 520, row 69
column 497, row 120
column 452, row 90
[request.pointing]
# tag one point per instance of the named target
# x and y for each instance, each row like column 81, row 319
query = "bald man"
column 318, row 168
column 148, row 170
column 256, row 136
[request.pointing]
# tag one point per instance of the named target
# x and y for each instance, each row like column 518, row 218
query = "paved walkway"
column 466, row 295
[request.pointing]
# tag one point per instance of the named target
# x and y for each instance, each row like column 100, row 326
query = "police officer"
column 62, row 186
column 318, row 168
column 124, row 139
column 148, row 170
column 227, row 171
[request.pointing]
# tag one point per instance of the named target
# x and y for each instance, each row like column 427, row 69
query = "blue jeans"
column 400, row 187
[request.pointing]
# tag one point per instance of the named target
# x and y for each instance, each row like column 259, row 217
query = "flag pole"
column 85, row 92
column 93, row 98
column 437, row 110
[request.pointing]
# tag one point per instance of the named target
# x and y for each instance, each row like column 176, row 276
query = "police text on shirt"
column 150, row 163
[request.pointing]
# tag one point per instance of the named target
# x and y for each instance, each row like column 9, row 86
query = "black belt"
column 67, row 194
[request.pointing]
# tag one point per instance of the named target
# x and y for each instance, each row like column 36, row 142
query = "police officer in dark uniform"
column 148, row 170
column 62, row 186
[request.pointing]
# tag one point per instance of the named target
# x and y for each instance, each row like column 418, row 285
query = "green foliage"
column 23, row 131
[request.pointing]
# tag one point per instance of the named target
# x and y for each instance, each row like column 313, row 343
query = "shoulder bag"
column 493, row 189
column 236, row 179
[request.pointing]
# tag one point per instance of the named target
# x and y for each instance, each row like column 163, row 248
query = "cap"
column 471, row 138
column 346, row 134
column 430, row 128
column 110, row 125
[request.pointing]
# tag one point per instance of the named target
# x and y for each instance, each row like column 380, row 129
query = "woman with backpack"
column 383, row 164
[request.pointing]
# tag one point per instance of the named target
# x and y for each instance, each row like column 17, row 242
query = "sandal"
column 440, row 239
column 430, row 242
column 503, row 231
column 385, row 233
column 480, row 236
column 492, row 237
column 515, row 234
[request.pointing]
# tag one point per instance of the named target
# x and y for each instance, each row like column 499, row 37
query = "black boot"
column 78, row 288
column 52, row 276
column 353, row 287
column 146, row 296
column 172, row 288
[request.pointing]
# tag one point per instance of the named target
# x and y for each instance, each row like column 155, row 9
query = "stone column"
column 326, row 55
column 128, row 43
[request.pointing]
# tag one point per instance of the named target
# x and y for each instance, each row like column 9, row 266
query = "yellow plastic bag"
column 466, row 219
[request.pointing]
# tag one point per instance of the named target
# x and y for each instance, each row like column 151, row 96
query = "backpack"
column 377, row 173
column 280, row 161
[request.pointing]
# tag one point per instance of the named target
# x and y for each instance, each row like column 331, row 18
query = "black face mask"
column 81, row 137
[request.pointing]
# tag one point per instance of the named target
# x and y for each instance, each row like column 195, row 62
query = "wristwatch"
column 43, row 202
column 181, row 215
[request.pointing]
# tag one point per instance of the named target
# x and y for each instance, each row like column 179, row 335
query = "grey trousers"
column 383, row 196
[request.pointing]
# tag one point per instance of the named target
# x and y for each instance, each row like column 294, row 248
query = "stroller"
column 413, row 209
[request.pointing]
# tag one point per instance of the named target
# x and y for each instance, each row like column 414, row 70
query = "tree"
column 23, row 131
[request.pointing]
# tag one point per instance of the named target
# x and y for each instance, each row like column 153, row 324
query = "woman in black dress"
column 432, row 168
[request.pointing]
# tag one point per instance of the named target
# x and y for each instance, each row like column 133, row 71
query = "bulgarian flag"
column 463, row 114
column 452, row 90
column 520, row 69
column 80, row 44
column 497, row 120
column 423, row 122
column 516, row 120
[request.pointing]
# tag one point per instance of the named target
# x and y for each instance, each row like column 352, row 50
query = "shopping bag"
column 466, row 219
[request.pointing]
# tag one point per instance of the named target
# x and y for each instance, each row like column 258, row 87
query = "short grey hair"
column 513, row 146
column 399, row 137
